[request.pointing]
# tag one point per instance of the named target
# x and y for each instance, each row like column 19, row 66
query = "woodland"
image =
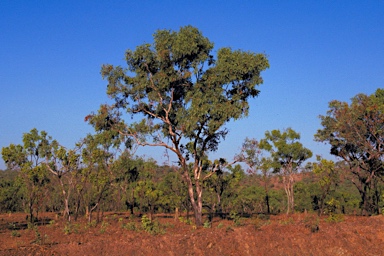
column 174, row 95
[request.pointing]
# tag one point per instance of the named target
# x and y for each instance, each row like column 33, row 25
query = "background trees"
column 356, row 134
column 287, row 155
column 27, row 159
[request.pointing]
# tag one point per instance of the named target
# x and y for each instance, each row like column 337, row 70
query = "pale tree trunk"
column 288, row 182
column 197, row 204
column 177, row 213
column 66, row 200
column 199, row 210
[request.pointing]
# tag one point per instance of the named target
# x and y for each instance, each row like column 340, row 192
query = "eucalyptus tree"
column 287, row 155
column 355, row 132
column 252, row 155
column 62, row 163
column 127, row 172
column 10, row 192
column 184, row 97
column 328, row 175
column 97, row 172
column 28, row 159
column 174, row 192
column 99, row 154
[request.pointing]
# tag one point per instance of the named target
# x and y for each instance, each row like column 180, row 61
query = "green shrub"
column 262, row 216
column 184, row 220
column 258, row 223
column 334, row 218
column 103, row 227
column 131, row 226
column 236, row 218
column 15, row 233
column 152, row 227
column 68, row 228
column 287, row 221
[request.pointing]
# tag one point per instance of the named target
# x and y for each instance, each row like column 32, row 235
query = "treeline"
column 143, row 187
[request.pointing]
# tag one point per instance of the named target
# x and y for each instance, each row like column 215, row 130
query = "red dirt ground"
column 281, row 235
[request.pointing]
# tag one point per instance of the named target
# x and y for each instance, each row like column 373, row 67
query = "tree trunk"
column 267, row 203
column 288, row 187
column 66, row 200
column 197, row 204
column 177, row 213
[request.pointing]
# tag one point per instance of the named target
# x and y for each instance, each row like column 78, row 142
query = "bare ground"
column 298, row 234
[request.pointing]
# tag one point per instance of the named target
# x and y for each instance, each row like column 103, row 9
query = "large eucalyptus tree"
column 183, row 97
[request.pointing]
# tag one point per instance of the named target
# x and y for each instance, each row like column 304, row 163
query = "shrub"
column 152, row 227
column 15, row 233
column 103, row 227
column 334, row 218
column 312, row 223
column 207, row 224
column 236, row 218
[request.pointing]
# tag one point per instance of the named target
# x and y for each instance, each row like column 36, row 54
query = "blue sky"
column 51, row 53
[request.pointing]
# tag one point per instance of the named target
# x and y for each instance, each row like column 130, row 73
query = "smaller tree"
column 356, row 134
column 10, row 191
column 28, row 159
column 174, row 192
column 287, row 155
column 251, row 154
column 61, row 163
column 328, row 177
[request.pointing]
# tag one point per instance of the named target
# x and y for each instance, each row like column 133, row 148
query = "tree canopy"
column 356, row 134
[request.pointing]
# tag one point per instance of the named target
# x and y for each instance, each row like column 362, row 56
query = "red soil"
column 298, row 234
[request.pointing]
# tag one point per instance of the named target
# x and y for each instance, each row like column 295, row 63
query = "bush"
column 311, row 222
column 236, row 218
column 334, row 218
column 152, row 227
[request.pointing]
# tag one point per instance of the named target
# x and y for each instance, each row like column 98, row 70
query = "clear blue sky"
column 51, row 53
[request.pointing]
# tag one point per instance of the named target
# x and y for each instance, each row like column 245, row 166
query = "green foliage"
column 262, row 216
column 185, row 220
column 258, row 223
column 207, row 224
column 11, row 191
column 355, row 133
column 152, row 227
column 103, row 227
column 28, row 160
column 236, row 218
column 287, row 221
column 92, row 224
column 70, row 228
column 184, row 96
column 15, row 233
column 39, row 238
column 51, row 223
column 335, row 218
column 131, row 226
column 287, row 154
column 304, row 193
